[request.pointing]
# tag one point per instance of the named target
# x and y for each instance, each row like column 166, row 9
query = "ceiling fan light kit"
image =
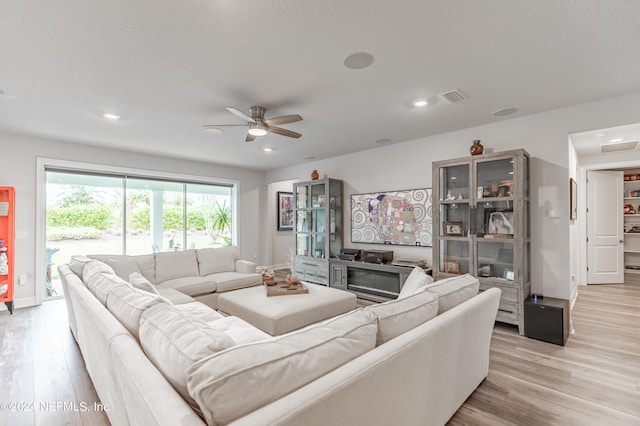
column 258, row 125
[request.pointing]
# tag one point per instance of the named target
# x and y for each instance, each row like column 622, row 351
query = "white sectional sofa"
column 411, row 361
column 201, row 273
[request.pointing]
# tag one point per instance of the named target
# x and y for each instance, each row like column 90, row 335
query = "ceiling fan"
column 258, row 125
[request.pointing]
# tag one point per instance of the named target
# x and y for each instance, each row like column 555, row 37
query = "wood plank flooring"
column 593, row 380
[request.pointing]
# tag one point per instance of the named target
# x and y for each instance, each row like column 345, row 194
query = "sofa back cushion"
column 235, row 382
column 122, row 264
column 174, row 339
column 214, row 260
column 100, row 279
column 453, row 291
column 176, row 264
column 396, row 317
column 77, row 264
column 127, row 304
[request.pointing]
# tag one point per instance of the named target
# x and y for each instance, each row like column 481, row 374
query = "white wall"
column 544, row 136
column 18, row 169
column 279, row 241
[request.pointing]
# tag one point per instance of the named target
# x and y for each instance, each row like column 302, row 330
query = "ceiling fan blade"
column 240, row 114
column 210, row 126
column 284, row 119
column 250, row 138
column 284, row 132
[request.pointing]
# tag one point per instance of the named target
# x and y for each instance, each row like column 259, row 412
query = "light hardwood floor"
column 593, row 380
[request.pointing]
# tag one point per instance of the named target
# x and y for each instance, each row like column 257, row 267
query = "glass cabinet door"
column 455, row 218
column 495, row 179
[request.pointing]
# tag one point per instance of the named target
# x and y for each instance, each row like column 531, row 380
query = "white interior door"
column 605, row 238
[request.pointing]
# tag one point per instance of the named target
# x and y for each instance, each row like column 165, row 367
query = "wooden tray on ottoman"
column 282, row 288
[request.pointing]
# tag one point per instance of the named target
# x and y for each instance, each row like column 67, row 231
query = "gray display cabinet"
column 481, row 225
column 318, row 227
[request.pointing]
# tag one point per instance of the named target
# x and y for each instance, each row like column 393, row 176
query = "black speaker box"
column 547, row 319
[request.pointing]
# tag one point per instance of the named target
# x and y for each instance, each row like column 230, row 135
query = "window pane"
column 155, row 216
column 83, row 216
column 209, row 216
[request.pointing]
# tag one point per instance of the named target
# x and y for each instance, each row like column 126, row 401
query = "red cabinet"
column 7, row 244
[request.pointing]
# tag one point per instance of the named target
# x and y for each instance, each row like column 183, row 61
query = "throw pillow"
column 416, row 280
column 453, row 291
column 138, row 281
column 273, row 368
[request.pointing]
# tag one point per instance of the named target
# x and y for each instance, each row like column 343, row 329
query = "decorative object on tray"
column 476, row 148
column 267, row 274
column 282, row 288
column 314, row 175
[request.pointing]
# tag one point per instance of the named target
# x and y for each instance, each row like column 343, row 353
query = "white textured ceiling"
column 169, row 67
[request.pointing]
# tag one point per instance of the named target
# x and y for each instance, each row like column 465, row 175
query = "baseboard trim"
column 23, row 302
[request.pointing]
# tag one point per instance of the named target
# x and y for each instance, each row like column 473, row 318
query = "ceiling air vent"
column 617, row 147
column 453, row 96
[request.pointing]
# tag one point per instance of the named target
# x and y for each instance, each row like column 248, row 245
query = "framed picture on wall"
column 285, row 211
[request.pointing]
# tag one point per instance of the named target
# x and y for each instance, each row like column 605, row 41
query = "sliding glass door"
column 93, row 213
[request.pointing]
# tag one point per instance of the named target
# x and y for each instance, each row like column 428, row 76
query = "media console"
column 371, row 281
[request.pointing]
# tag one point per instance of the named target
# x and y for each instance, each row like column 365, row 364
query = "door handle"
column 622, row 241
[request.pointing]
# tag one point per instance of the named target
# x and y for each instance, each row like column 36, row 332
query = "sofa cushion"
column 453, row 291
column 127, row 304
column 174, row 340
column 122, row 265
column 176, row 297
column 214, row 260
column 238, row 329
column 176, row 264
column 193, row 285
column 226, row 281
column 276, row 367
column 415, row 282
column 100, row 279
column 141, row 283
column 200, row 310
column 147, row 265
column 77, row 264
column 396, row 317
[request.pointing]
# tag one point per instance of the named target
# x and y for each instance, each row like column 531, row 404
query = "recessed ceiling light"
column 615, row 140
column 420, row 102
column 267, row 149
column 358, row 60
column 601, row 135
column 111, row 116
column 213, row 129
column 504, row 111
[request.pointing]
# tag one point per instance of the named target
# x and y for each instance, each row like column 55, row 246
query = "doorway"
column 613, row 149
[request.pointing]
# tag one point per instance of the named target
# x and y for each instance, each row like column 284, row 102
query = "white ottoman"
column 277, row 315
